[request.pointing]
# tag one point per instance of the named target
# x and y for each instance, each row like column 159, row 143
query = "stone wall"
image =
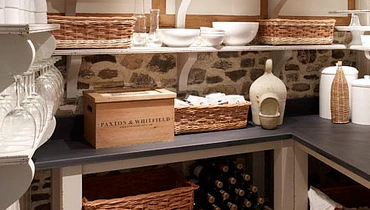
column 228, row 72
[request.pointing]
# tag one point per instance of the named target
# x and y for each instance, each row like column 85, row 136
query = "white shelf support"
column 184, row 63
column 367, row 54
column 279, row 58
column 275, row 7
column 284, row 176
column 181, row 13
column 73, row 68
column 67, row 188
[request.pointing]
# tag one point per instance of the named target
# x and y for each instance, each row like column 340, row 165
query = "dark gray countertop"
column 348, row 145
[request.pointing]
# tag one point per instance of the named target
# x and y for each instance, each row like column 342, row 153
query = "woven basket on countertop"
column 211, row 118
column 161, row 188
column 93, row 32
column 295, row 32
column 339, row 98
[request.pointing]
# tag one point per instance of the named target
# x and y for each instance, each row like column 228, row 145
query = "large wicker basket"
column 92, row 32
column 211, row 118
column 295, row 32
column 161, row 188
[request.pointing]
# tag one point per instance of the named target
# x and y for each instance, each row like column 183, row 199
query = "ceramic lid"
column 364, row 82
column 348, row 70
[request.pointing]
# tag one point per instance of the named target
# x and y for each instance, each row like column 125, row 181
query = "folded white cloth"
column 320, row 201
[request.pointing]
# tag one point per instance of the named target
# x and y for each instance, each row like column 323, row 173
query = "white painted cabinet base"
column 290, row 172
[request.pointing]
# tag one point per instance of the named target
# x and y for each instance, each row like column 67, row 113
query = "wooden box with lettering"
column 128, row 116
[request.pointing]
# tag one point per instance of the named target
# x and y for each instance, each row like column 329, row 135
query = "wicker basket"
column 92, row 32
column 161, row 188
column 211, row 118
column 294, row 32
column 339, row 98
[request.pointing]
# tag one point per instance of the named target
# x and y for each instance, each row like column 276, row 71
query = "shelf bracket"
column 184, row 63
column 181, row 13
column 73, row 68
column 279, row 58
column 367, row 55
column 275, row 7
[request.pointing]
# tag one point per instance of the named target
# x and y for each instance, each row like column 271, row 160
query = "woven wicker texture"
column 211, row 118
column 339, row 98
column 92, row 32
column 290, row 31
column 161, row 188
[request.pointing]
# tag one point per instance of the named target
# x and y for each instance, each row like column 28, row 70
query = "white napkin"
column 320, row 201
column 179, row 103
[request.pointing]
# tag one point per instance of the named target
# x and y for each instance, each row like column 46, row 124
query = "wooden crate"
column 126, row 116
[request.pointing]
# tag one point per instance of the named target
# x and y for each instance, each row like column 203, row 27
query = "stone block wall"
column 227, row 72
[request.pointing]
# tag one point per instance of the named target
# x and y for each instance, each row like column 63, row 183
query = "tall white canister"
column 361, row 101
column 326, row 79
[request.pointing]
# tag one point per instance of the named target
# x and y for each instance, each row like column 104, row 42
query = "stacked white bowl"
column 237, row 33
column 211, row 37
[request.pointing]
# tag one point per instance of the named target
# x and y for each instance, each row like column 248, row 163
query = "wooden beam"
column 159, row 4
column 264, row 5
column 196, row 21
column 351, row 4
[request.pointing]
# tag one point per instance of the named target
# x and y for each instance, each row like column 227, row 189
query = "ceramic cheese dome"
column 268, row 96
column 361, row 100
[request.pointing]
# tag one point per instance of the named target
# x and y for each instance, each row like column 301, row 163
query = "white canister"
column 12, row 3
column 11, row 15
column 2, row 15
column 326, row 79
column 361, row 100
column 41, row 11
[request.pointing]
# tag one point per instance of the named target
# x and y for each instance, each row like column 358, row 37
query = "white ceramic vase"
column 268, row 97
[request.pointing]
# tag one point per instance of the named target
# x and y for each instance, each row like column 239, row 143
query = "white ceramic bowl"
column 237, row 33
column 210, row 30
column 212, row 40
column 365, row 40
column 178, row 37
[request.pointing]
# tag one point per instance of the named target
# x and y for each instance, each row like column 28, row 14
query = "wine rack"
column 225, row 183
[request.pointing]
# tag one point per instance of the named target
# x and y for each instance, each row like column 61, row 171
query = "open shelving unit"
column 17, row 168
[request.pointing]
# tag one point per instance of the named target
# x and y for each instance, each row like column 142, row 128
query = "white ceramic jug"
column 271, row 88
column 361, row 100
column 326, row 79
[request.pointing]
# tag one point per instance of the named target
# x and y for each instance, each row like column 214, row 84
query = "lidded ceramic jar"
column 361, row 100
column 268, row 97
column 326, row 79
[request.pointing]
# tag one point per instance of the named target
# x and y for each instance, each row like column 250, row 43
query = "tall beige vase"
column 268, row 97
